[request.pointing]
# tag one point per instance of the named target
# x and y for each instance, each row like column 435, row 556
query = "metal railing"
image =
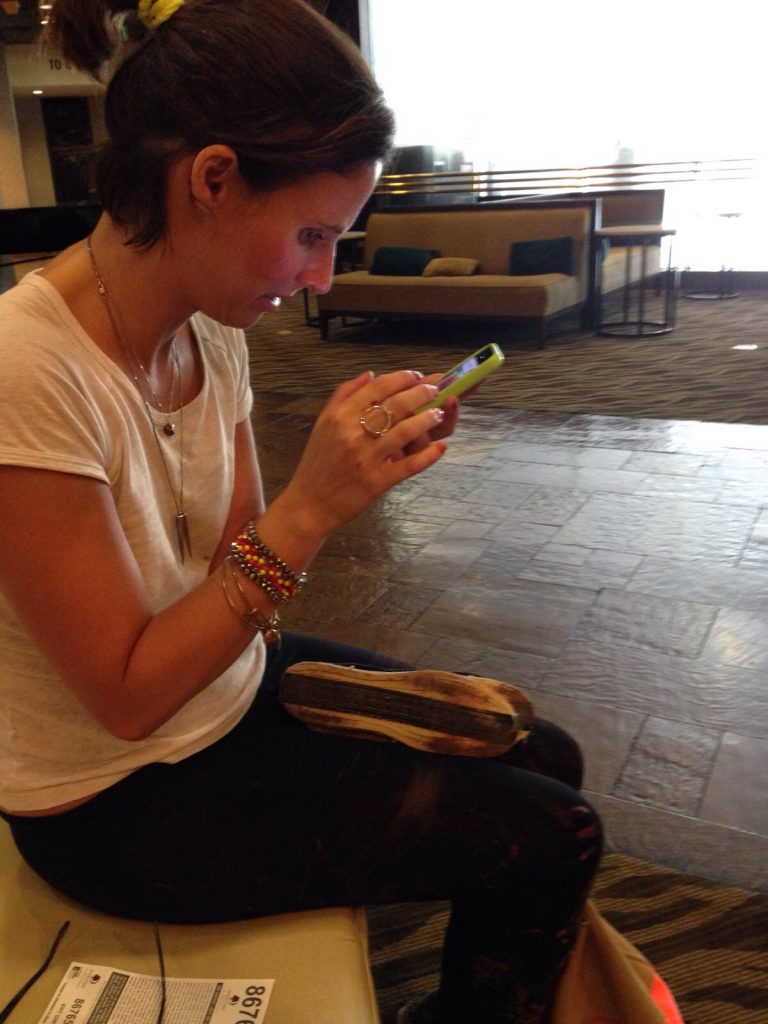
column 483, row 185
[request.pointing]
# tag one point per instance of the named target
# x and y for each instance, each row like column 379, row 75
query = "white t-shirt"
column 65, row 406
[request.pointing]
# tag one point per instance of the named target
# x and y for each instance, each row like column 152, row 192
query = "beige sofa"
column 612, row 208
column 491, row 292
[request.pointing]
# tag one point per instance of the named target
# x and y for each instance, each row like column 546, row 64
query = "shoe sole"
column 440, row 712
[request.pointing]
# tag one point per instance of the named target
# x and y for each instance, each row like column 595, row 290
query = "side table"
column 635, row 322
column 725, row 288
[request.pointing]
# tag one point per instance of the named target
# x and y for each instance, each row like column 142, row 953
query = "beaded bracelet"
column 268, row 626
column 262, row 565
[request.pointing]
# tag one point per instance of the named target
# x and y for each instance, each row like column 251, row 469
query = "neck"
column 160, row 385
column 137, row 292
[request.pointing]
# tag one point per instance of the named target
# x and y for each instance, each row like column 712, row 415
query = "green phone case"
column 466, row 374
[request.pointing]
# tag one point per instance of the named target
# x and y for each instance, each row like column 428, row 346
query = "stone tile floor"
column 617, row 570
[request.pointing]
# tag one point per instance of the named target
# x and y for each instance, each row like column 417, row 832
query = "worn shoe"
column 431, row 710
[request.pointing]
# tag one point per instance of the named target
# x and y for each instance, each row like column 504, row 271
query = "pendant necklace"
column 169, row 427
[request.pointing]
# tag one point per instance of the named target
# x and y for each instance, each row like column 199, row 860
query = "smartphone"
column 467, row 374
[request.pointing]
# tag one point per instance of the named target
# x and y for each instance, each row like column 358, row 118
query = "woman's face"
column 268, row 246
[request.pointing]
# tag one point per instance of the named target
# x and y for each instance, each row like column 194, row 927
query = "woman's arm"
column 247, row 494
column 67, row 569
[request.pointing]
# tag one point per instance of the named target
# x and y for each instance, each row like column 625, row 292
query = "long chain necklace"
column 169, row 428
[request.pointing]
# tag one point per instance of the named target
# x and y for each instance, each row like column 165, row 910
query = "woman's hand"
column 368, row 437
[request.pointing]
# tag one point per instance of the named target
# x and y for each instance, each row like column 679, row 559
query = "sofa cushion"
column 542, row 256
column 401, row 261
column 301, row 951
column 450, row 266
column 478, row 295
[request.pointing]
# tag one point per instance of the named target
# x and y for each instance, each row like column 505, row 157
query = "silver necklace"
column 169, row 428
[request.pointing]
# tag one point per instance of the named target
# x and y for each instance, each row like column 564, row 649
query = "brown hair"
column 272, row 79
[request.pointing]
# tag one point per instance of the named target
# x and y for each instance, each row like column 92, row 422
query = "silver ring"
column 386, row 423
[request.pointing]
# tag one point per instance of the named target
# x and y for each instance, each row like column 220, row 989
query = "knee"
column 588, row 832
column 550, row 750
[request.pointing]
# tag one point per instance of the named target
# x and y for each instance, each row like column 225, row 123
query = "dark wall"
column 45, row 228
column 23, row 27
column 344, row 13
column 68, row 133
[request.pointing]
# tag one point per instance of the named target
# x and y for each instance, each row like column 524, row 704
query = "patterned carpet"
column 709, row 942
column 693, row 373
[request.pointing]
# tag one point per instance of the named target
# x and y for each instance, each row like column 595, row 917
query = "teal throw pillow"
column 542, row 256
column 401, row 261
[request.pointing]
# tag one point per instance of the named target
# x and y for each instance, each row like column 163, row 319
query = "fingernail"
column 417, row 374
column 438, row 414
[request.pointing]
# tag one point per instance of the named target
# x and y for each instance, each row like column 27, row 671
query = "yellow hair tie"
column 153, row 13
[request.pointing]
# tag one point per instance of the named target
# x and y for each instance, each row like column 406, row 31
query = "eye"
column 312, row 237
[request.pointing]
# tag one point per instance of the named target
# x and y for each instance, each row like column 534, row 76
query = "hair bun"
column 91, row 35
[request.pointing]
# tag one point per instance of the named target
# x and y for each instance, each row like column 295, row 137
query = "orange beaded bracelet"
column 262, row 565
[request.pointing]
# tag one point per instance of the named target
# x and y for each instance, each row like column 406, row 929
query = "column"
column 13, row 184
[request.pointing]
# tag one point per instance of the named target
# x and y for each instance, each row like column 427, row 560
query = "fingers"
column 350, row 387
column 445, row 428
column 413, row 464
column 396, row 399
column 377, row 389
column 390, row 384
column 442, row 428
column 401, row 393
column 410, row 435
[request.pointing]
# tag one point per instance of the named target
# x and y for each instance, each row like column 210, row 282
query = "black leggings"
column 275, row 817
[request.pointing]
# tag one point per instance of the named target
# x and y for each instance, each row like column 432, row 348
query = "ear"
column 213, row 174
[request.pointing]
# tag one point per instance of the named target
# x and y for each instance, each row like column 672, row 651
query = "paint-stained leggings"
column 275, row 817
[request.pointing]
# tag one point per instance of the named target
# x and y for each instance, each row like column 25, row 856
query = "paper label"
column 95, row 994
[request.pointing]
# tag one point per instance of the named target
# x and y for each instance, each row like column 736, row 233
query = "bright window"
column 513, row 85
column 564, row 83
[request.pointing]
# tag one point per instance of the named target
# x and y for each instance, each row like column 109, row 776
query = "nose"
column 319, row 276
